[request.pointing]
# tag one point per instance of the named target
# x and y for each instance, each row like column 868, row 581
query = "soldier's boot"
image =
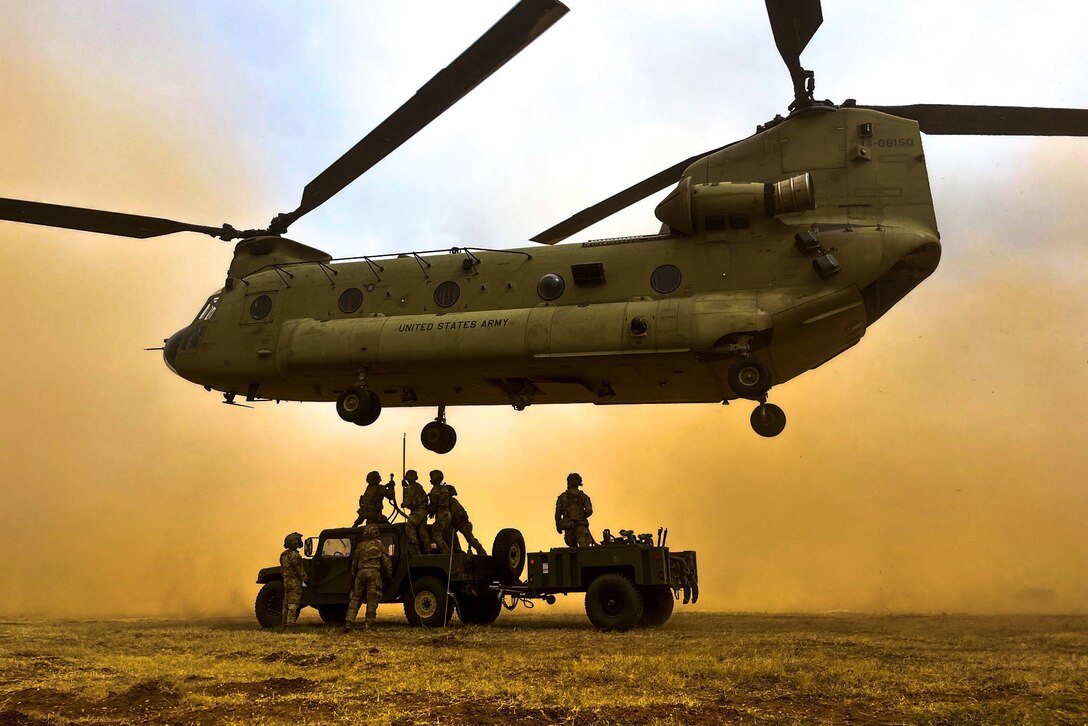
column 371, row 616
column 352, row 614
column 292, row 616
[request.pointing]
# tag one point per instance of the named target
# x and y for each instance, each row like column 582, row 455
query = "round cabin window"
column 446, row 294
column 260, row 307
column 665, row 278
column 351, row 300
column 550, row 287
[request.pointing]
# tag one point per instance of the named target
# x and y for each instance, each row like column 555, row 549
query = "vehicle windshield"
column 209, row 308
column 336, row 547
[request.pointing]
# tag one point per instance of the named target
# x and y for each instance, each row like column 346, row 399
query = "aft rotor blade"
column 621, row 200
column 512, row 33
column 793, row 23
column 993, row 120
column 94, row 220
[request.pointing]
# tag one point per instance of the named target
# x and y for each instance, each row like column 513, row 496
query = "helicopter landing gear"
column 749, row 378
column 438, row 436
column 359, row 406
column 768, row 420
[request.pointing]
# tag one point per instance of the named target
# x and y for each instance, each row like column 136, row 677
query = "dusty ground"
column 699, row 668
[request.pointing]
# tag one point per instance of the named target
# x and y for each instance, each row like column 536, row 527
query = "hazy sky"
column 939, row 465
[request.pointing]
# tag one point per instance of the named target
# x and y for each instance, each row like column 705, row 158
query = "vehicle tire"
column 657, row 604
column 353, row 403
column 509, row 553
column 423, row 603
column 749, row 378
column 269, row 604
column 480, row 609
column 373, row 410
column 333, row 614
column 768, row 420
column 613, row 602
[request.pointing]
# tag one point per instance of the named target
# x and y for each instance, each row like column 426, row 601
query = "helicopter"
column 775, row 254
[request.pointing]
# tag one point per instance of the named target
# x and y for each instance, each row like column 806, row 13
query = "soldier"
column 294, row 576
column 415, row 501
column 572, row 512
column 440, row 509
column 370, row 566
column 370, row 503
column 459, row 520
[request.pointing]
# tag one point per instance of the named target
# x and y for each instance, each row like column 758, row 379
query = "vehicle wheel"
column 423, row 603
column 438, row 437
column 333, row 614
column 613, row 602
column 269, row 605
column 657, row 603
column 353, row 403
column 768, row 420
column 481, row 609
column 749, row 378
column 509, row 553
column 372, row 410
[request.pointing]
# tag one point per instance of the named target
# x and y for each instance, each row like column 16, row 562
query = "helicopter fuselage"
column 651, row 319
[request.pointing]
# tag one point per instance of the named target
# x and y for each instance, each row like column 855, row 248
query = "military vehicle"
column 775, row 254
column 629, row 581
column 419, row 582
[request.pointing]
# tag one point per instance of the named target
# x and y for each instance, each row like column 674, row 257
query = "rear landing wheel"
column 358, row 405
column 768, row 420
column 438, row 437
column 749, row 378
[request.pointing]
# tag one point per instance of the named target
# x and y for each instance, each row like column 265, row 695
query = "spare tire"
column 509, row 553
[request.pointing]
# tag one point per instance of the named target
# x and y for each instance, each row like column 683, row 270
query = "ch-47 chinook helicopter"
column 776, row 253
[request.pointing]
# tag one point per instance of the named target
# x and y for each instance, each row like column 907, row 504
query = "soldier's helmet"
column 373, row 478
column 292, row 541
column 370, row 531
column 574, row 480
column 437, row 475
column 411, row 475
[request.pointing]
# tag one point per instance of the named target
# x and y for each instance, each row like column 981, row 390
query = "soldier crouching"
column 370, row 564
column 294, row 575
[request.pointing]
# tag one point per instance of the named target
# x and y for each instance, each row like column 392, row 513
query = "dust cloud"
column 939, row 466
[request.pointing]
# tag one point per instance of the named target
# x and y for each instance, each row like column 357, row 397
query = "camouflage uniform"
column 459, row 519
column 572, row 512
column 370, row 503
column 440, row 508
column 294, row 574
column 415, row 501
column 370, row 564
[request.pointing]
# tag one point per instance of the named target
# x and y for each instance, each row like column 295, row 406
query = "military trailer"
column 629, row 581
column 419, row 582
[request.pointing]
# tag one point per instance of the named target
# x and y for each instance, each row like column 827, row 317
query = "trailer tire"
column 333, row 614
column 269, row 604
column 481, row 609
column 423, row 603
column 509, row 553
column 657, row 607
column 613, row 602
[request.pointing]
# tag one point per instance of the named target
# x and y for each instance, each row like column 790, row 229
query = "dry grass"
column 700, row 668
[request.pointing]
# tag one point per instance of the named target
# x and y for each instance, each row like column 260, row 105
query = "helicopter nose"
column 171, row 346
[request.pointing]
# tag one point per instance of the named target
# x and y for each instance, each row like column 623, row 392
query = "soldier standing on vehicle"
column 440, row 509
column 294, row 576
column 460, row 521
column 415, row 501
column 572, row 512
column 370, row 503
column 370, row 566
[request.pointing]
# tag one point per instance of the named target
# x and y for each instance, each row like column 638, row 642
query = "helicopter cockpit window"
column 351, row 300
column 666, row 278
column 551, row 286
column 446, row 294
column 260, row 307
column 209, row 308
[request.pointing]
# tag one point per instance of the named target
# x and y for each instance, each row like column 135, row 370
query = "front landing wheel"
column 438, row 437
column 768, row 420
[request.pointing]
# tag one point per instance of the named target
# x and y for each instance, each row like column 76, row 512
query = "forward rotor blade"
column 793, row 23
column 512, row 33
column 993, row 120
column 94, row 220
column 620, row 200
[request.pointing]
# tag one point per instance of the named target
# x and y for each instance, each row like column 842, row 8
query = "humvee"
column 629, row 581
